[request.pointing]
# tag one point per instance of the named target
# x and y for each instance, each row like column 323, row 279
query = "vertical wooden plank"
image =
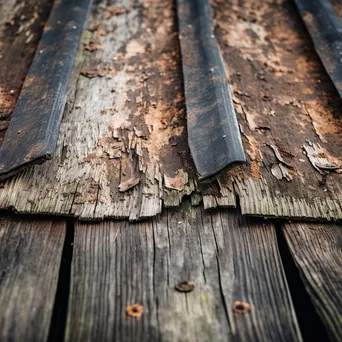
column 116, row 264
column 317, row 251
column 30, row 256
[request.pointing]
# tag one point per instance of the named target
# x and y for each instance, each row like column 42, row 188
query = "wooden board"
column 116, row 264
column 123, row 148
column 317, row 250
column 30, row 256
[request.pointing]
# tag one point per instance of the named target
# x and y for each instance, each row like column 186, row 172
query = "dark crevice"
column 310, row 324
column 59, row 314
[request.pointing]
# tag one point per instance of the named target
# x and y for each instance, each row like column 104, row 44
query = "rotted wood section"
column 30, row 257
column 228, row 258
column 317, row 250
column 123, row 150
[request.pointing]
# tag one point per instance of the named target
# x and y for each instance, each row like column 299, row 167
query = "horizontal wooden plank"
column 30, row 256
column 317, row 251
column 123, row 149
column 116, row 264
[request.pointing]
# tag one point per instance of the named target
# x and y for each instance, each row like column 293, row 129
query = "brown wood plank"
column 30, row 256
column 317, row 251
column 118, row 263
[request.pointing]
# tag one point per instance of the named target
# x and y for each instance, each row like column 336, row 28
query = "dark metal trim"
column 213, row 130
column 326, row 32
column 34, row 128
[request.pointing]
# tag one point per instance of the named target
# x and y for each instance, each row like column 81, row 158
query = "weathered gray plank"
column 317, row 251
column 30, row 256
column 116, row 264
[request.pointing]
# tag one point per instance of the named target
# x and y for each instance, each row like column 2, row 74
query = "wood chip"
column 129, row 184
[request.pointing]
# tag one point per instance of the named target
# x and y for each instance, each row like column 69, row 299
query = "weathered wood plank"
column 123, row 150
column 30, row 256
column 116, row 264
column 317, row 251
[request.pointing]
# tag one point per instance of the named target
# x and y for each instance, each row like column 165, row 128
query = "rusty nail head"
column 241, row 307
column 135, row 310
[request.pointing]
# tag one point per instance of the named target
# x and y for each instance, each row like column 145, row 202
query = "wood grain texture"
column 317, row 251
column 123, row 152
column 30, row 256
column 116, row 264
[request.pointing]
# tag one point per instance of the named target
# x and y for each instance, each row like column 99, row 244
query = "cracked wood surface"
column 317, row 250
column 30, row 257
column 116, row 264
column 123, row 150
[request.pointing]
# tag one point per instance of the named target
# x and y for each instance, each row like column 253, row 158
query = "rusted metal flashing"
column 213, row 131
column 32, row 135
column 326, row 32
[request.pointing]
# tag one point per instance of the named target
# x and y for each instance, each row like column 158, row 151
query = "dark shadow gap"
column 310, row 324
column 60, row 310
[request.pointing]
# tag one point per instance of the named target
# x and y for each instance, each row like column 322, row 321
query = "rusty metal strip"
column 33, row 132
column 213, row 131
column 325, row 30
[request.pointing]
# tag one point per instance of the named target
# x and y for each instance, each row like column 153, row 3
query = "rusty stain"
column 322, row 120
column 135, row 310
column 115, row 10
column 255, row 170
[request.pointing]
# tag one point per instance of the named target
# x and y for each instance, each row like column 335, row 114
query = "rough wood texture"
column 30, row 256
column 228, row 258
column 123, row 147
column 317, row 250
